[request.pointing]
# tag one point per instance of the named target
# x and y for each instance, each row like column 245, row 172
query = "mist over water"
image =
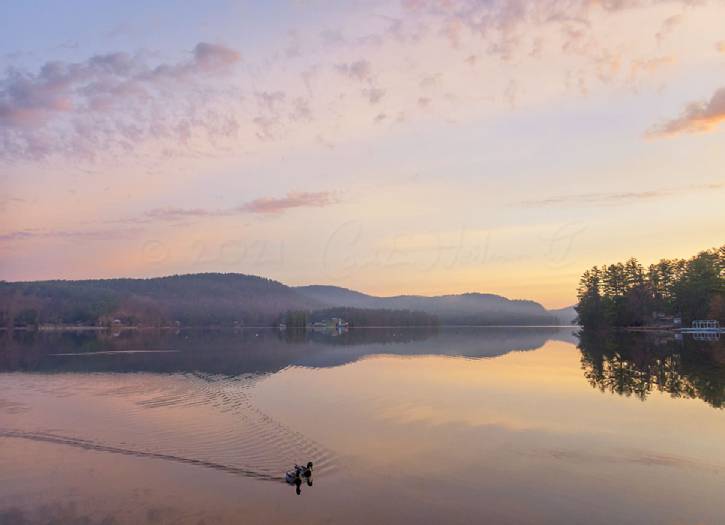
column 496, row 425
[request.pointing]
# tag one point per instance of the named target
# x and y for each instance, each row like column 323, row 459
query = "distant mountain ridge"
column 467, row 308
column 566, row 315
column 231, row 299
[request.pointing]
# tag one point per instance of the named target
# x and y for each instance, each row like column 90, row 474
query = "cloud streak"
column 614, row 198
column 697, row 117
column 6, row 202
column 261, row 206
column 80, row 235
column 290, row 201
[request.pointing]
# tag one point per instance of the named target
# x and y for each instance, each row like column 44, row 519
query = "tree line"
column 628, row 294
column 360, row 317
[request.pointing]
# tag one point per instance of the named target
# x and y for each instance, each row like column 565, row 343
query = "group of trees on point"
column 627, row 294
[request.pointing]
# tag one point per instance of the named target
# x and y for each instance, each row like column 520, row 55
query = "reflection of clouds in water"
column 53, row 513
column 637, row 457
column 72, row 512
column 12, row 407
column 421, row 427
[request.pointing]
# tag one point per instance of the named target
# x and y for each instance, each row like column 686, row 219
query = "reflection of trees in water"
column 249, row 351
column 361, row 336
column 637, row 364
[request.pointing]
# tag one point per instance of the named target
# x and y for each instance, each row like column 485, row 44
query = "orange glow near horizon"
column 424, row 157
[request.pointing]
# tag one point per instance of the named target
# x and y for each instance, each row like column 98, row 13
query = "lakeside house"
column 334, row 323
column 663, row 320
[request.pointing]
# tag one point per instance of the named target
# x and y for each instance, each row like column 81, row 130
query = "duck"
column 291, row 476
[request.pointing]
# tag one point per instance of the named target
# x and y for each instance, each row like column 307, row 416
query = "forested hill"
column 216, row 299
column 192, row 300
column 566, row 315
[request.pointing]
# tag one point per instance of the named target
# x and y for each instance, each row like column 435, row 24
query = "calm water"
column 451, row 426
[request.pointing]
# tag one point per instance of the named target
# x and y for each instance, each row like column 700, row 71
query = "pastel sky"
column 418, row 146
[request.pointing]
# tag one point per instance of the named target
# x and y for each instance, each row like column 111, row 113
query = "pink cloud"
column 617, row 198
column 270, row 101
column 505, row 24
column 697, row 117
column 211, row 57
column 360, row 70
column 112, row 102
column 374, row 95
column 264, row 205
column 79, row 235
column 172, row 213
column 291, row 200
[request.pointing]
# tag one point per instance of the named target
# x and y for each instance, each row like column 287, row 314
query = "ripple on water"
column 204, row 420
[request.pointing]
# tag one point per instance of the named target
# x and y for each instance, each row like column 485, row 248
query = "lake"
column 449, row 425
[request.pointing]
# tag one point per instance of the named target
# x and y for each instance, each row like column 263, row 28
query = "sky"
column 412, row 147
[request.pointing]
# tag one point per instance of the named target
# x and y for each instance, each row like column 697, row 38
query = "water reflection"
column 200, row 386
column 249, row 351
column 448, row 426
column 631, row 364
column 620, row 363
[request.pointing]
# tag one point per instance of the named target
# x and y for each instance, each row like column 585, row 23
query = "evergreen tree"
column 624, row 294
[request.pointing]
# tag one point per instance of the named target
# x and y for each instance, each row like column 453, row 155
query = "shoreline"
column 59, row 328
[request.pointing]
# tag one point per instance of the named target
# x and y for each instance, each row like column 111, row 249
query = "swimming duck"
column 293, row 476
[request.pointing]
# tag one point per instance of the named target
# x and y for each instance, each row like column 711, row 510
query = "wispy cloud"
column 360, row 70
column 80, row 235
column 132, row 105
column 697, row 117
column 6, row 202
column 502, row 20
column 110, row 102
column 639, row 457
column 374, row 95
column 212, row 57
column 614, row 198
column 291, row 200
column 263, row 206
column 669, row 25
column 172, row 213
